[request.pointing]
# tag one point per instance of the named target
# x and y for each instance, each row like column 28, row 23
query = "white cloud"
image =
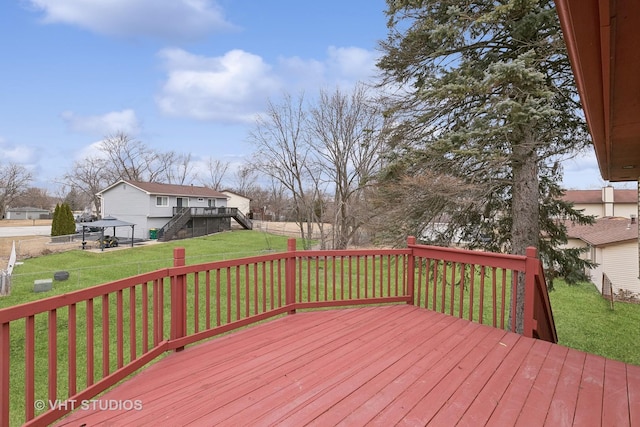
column 91, row 151
column 351, row 63
column 582, row 172
column 169, row 20
column 232, row 87
column 21, row 154
column 343, row 66
column 105, row 124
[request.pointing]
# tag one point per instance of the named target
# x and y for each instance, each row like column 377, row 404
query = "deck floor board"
column 385, row 365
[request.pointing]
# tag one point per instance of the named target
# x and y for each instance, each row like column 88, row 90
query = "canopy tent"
column 106, row 222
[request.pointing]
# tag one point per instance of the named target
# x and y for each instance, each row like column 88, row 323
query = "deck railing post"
column 4, row 373
column 290, row 275
column 411, row 267
column 531, row 270
column 178, row 299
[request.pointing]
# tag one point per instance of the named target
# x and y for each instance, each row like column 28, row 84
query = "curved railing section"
column 59, row 351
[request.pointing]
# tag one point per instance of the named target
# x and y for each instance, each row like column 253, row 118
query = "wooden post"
column 411, row 267
column 290, row 276
column 532, row 267
column 5, row 344
column 178, row 299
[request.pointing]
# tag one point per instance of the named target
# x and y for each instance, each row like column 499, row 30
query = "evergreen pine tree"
column 55, row 224
column 68, row 225
column 487, row 111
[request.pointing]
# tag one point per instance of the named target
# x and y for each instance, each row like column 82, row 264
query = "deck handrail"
column 120, row 326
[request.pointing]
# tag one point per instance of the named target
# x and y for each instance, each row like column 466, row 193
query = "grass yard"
column 88, row 268
column 585, row 321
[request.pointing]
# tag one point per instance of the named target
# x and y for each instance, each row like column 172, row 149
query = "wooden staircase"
column 242, row 220
column 179, row 220
column 183, row 215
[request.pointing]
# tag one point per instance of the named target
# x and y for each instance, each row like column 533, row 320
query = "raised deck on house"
column 388, row 365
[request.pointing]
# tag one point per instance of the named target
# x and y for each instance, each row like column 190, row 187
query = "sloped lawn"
column 585, row 321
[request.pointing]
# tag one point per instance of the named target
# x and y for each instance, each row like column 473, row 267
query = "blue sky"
column 180, row 75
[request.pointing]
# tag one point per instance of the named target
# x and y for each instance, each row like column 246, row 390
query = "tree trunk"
column 525, row 214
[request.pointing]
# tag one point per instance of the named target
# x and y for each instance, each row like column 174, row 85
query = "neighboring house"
column 26, row 213
column 168, row 211
column 238, row 201
column 606, row 202
column 612, row 243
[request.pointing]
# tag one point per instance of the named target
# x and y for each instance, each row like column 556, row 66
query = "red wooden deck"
column 376, row 365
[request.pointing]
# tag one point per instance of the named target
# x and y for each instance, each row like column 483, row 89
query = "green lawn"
column 585, row 321
column 89, row 268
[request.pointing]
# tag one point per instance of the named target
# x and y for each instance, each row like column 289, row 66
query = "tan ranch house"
column 168, row 211
column 612, row 243
column 239, row 201
column 605, row 202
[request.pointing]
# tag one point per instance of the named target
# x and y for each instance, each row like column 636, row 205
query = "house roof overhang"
column 602, row 39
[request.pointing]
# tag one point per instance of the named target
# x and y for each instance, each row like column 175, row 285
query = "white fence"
column 5, row 275
column 5, row 283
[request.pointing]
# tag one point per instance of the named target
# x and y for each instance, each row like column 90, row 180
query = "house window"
column 162, row 201
column 200, row 199
column 211, row 203
column 182, row 202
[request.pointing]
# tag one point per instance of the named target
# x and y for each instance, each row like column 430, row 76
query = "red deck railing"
column 104, row 333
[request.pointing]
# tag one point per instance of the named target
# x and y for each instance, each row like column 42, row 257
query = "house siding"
column 127, row 203
column 237, row 201
column 617, row 261
column 29, row 214
column 192, row 202
column 598, row 271
column 601, row 210
column 621, row 266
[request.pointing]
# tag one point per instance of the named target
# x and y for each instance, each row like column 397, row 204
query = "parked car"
column 86, row 217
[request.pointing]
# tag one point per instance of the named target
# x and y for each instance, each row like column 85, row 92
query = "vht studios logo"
column 92, row 404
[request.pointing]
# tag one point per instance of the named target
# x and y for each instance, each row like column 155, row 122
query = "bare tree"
column 346, row 132
column 269, row 201
column 177, row 168
column 89, row 176
column 129, row 158
column 34, row 197
column 245, row 178
column 14, row 178
column 215, row 174
column 122, row 157
column 284, row 155
column 278, row 199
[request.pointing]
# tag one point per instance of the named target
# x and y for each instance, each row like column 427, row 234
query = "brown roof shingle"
column 604, row 231
column 177, row 190
column 595, row 196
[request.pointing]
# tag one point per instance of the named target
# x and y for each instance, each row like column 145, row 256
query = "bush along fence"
column 74, row 346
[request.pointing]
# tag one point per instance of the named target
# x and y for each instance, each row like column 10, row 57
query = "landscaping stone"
column 42, row 285
column 61, row 275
